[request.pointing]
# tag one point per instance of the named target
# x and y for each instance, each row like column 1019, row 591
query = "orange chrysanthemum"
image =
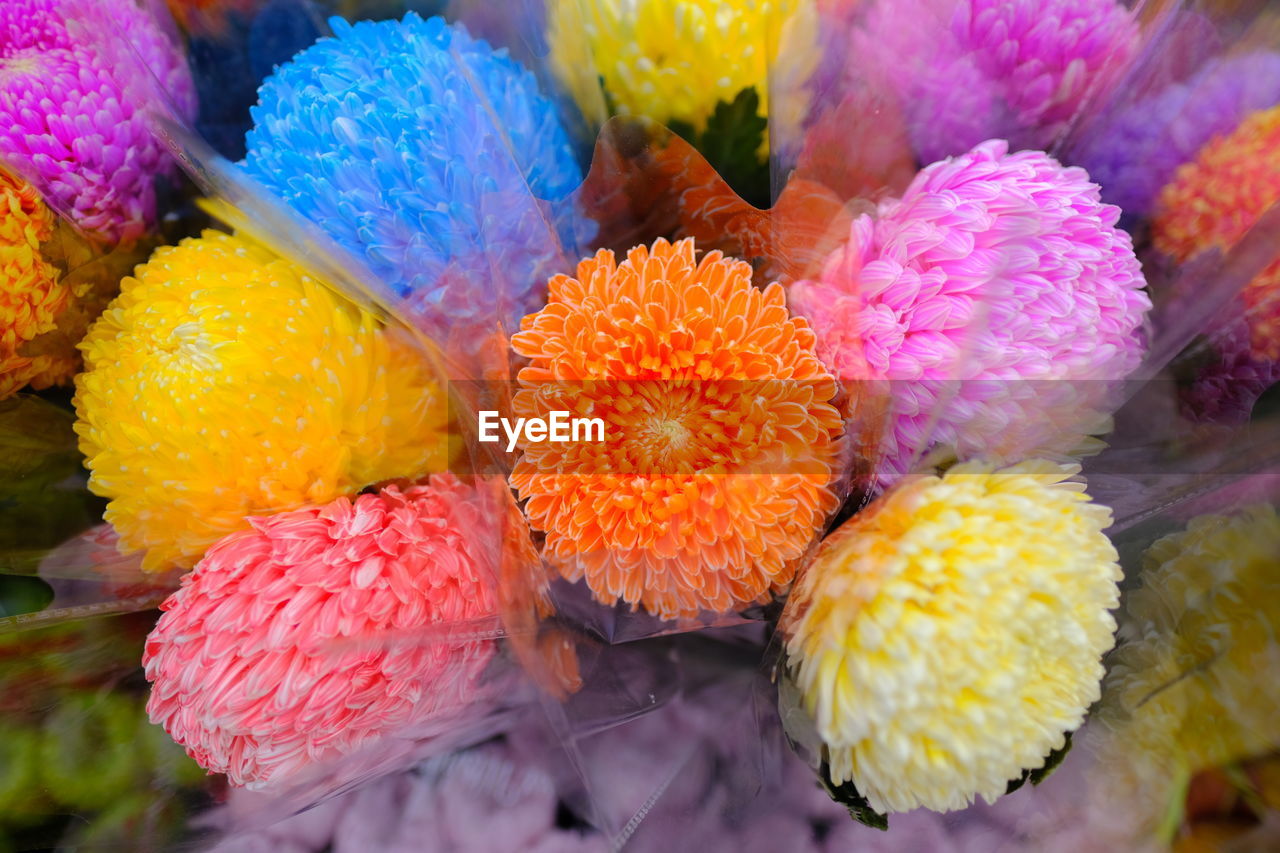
column 720, row 445
column 31, row 297
column 1215, row 200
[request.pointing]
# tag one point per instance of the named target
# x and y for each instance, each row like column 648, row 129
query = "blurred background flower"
column 1136, row 149
column 1213, row 201
column 727, row 76
column 1185, row 690
column 964, row 71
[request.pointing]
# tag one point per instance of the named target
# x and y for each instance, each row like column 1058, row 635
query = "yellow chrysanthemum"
column 676, row 59
column 224, row 382
column 1188, row 689
column 946, row 638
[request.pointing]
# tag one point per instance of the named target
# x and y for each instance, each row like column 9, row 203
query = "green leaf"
column 44, row 498
column 20, row 595
column 37, row 442
column 732, row 141
column 846, row 794
column 1051, row 763
column 1035, row 777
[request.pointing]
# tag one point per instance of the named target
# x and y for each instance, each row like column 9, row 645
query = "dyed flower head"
column 1212, row 203
column 427, row 153
column 1135, row 151
column 71, row 120
column 947, row 637
column 31, row 297
column 280, row 650
column 46, row 312
column 1184, row 690
column 223, row 383
column 719, row 447
column 968, row 70
column 995, row 269
column 674, row 61
column 1223, row 383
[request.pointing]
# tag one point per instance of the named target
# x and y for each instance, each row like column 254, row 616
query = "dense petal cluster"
column 946, row 638
column 223, row 382
column 720, row 445
column 31, row 296
column 428, row 154
column 293, row 642
column 1226, row 381
column 1212, row 203
column 1134, row 152
column 71, row 119
column 675, row 60
column 1184, row 691
column 998, row 270
column 968, row 70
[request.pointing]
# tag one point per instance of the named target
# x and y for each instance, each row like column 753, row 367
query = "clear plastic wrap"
column 790, row 303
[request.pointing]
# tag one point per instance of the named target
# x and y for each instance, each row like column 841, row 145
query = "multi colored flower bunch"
column 895, row 431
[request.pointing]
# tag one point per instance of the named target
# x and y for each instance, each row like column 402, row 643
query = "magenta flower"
column 70, row 116
column 995, row 269
column 968, row 70
column 294, row 642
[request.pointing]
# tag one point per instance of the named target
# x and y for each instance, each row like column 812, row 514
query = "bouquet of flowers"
column 640, row 424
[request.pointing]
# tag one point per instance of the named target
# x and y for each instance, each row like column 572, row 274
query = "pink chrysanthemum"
column 292, row 642
column 969, row 70
column 993, row 268
column 72, row 122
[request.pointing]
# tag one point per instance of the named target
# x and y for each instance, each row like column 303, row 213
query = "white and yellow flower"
column 949, row 636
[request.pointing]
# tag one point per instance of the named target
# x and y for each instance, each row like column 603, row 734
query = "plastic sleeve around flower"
column 455, row 194
column 79, row 129
column 705, row 452
column 962, row 71
column 1182, row 698
column 78, row 741
column 1162, row 458
column 57, row 282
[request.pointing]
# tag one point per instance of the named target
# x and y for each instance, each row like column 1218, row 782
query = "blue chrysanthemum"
column 428, row 153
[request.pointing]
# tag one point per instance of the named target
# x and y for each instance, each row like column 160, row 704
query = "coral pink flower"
column 994, row 269
column 291, row 643
column 71, row 116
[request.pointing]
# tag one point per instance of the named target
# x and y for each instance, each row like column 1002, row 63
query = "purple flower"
column 968, row 70
column 70, row 119
column 1224, row 387
column 1135, row 150
column 998, row 270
